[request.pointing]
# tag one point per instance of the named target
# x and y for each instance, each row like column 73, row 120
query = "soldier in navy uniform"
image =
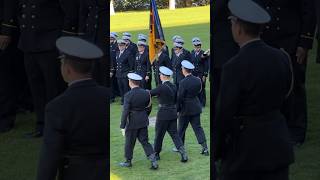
column 9, row 53
column 201, row 62
column 163, row 60
column 75, row 136
column 124, row 65
column 173, row 43
column 189, row 106
column 142, row 37
column 178, row 56
column 113, row 61
column 142, row 64
column 292, row 28
column 41, row 23
column 134, row 121
column 93, row 27
column 252, row 137
column 167, row 114
column 131, row 46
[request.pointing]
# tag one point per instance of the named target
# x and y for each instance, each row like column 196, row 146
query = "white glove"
column 123, row 132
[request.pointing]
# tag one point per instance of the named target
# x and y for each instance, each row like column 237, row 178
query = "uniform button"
column 24, row 6
column 95, row 26
column 279, row 8
column 87, row 24
column 90, row 7
column 97, row 16
column 278, row 28
column 73, row 28
column 33, row 6
column 33, row 16
column 88, row 15
column 23, row 16
column 32, row 27
column 268, row 7
column 277, row 19
column 23, row 26
column 11, row 20
column 268, row 27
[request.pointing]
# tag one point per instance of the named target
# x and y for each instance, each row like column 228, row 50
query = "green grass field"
column 181, row 22
column 19, row 157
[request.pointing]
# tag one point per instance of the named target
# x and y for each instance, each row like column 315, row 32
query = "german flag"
column 156, row 36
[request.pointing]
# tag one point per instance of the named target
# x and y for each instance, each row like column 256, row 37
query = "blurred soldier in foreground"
column 75, row 136
column 167, row 114
column 252, row 137
column 113, row 61
column 135, row 121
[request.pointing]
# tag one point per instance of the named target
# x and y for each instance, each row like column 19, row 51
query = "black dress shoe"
column 183, row 153
column 35, row 134
column 125, row 164
column 205, row 152
column 154, row 165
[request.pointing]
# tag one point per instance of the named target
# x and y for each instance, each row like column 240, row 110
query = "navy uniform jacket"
column 42, row 22
column 142, row 64
column 125, row 64
column 176, row 64
column 134, row 114
column 252, row 134
column 292, row 24
column 113, row 56
column 163, row 60
column 167, row 98
column 75, row 126
column 188, row 103
column 94, row 21
column 201, row 64
column 223, row 45
column 8, row 17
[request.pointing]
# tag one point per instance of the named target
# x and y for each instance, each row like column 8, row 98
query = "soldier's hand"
column 302, row 55
column 111, row 74
column 147, row 78
column 4, row 41
column 204, row 79
column 123, row 132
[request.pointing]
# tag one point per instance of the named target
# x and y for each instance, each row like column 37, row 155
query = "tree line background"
column 129, row 5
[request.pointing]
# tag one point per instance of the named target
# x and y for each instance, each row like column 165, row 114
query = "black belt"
column 167, row 106
column 249, row 119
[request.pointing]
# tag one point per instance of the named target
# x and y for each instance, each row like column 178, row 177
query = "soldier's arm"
column 71, row 17
column 307, row 13
column 227, row 106
column 180, row 95
column 125, row 111
column 52, row 148
column 156, row 91
column 206, row 65
column 131, row 62
column 9, row 22
column 148, row 65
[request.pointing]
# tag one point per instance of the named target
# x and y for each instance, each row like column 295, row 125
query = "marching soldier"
column 131, row 46
column 113, row 61
column 201, row 62
column 75, row 136
column 163, row 60
column 93, row 25
column 124, row 64
column 252, row 137
column 9, row 53
column 292, row 28
column 134, row 121
column 167, row 114
column 178, row 56
column 41, row 23
column 142, row 64
column 189, row 106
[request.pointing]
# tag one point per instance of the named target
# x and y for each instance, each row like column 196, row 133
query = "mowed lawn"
column 188, row 23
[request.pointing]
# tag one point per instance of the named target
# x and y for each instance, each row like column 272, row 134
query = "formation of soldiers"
column 180, row 88
column 260, row 52
column 126, row 56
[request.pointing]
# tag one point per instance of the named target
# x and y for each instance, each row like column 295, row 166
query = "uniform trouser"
column 162, row 126
column 157, row 79
column 84, row 170
column 295, row 108
column 7, row 96
column 114, row 87
column 202, row 95
column 216, row 80
column 131, row 136
column 279, row 174
column 196, row 126
column 100, row 72
column 43, row 71
column 149, row 82
column 123, row 85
